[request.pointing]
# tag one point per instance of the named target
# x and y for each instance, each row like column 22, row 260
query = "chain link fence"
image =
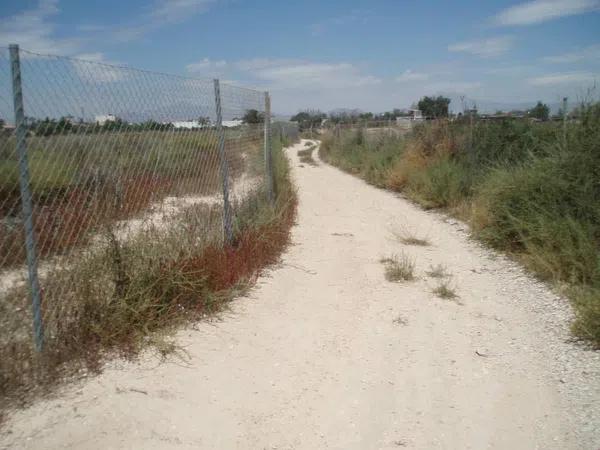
column 104, row 166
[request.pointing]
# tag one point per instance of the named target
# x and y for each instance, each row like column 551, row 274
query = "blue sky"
column 374, row 55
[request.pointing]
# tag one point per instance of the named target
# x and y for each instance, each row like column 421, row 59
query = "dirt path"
column 327, row 354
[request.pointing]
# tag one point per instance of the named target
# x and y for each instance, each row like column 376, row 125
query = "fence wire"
column 125, row 167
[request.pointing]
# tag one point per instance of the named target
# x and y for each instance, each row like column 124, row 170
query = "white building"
column 232, row 123
column 194, row 124
column 103, row 118
column 187, row 125
column 413, row 115
column 416, row 114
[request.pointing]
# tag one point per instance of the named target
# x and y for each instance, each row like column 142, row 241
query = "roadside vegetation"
column 306, row 154
column 126, row 294
column 527, row 188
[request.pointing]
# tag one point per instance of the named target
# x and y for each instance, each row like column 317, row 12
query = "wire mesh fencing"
column 103, row 168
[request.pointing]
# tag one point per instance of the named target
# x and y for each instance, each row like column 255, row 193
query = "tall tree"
column 436, row 107
column 253, row 116
column 540, row 111
column 308, row 119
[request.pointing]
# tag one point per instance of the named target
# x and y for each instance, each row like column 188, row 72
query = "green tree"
column 308, row 119
column 436, row 107
column 253, row 116
column 540, row 111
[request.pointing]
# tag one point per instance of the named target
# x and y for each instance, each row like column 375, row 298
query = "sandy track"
column 314, row 357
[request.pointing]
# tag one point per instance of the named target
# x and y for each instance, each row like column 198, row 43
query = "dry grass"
column 306, row 156
column 400, row 320
column 399, row 268
column 445, row 290
column 438, row 271
column 81, row 183
column 407, row 237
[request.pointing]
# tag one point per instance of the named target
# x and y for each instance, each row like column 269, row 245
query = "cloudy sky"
column 373, row 55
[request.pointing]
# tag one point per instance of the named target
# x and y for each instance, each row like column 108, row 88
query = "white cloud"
column 207, row 67
column 564, row 78
column 173, row 11
column 253, row 64
column 409, row 75
column 539, row 11
column 95, row 68
column 589, row 53
column 33, row 30
column 485, row 48
column 287, row 73
column 315, row 75
column 159, row 14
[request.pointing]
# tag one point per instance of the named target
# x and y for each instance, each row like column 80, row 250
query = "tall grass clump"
column 368, row 156
column 399, row 267
column 123, row 294
column 547, row 210
column 525, row 187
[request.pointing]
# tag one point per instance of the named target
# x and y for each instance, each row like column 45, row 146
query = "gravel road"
column 325, row 353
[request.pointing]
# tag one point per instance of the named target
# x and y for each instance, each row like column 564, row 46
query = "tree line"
column 434, row 107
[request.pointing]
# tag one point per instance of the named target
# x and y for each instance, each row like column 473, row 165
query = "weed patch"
column 306, row 156
column 399, row 268
column 445, row 290
column 438, row 271
column 407, row 237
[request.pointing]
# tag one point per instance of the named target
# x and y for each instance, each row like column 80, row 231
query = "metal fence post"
column 268, row 158
column 564, row 110
column 26, row 202
column 227, row 224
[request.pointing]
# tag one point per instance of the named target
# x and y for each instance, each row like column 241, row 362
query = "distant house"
column 7, row 128
column 103, row 118
column 232, row 123
column 187, row 125
column 196, row 124
column 411, row 115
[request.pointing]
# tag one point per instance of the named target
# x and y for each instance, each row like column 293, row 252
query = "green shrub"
column 587, row 313
column 442, row 184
